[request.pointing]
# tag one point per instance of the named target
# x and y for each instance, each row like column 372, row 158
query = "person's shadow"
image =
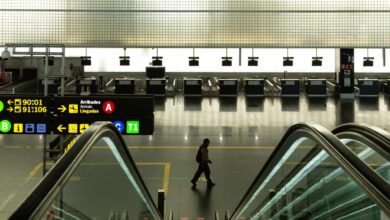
column 204, row 199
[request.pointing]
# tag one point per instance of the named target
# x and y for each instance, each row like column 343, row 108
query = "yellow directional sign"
column 73, row 128
column 62, row 108
column 10, row 109
column 61, row 129
column 73, row 108
column 10, row 102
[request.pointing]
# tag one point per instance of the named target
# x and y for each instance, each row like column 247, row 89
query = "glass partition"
column 364, row 150
column 102, row 186
column 308, row 183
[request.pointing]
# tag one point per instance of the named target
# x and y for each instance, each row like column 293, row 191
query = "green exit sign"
column 132, row 127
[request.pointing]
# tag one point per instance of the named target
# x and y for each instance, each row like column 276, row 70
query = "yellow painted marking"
column 167, row 172
column 34, row 171
column 75, row 179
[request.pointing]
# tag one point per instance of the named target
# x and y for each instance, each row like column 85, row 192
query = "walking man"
column 202, row 157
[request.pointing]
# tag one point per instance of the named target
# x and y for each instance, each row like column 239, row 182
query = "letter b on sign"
column 108, row 107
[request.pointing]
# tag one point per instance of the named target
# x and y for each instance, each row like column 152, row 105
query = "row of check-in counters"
column 231, row 87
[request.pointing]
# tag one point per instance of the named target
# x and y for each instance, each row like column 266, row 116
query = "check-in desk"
column 316, row 88
column 156, row 86
column 386, row 87
column 124, row 86
column 52, row 85
column 193, row 87
column 254, row 87
column 228, row 87
column 290, row 87
column 86, row 86
column 368, row 87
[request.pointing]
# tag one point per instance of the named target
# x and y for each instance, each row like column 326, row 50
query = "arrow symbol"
column 10, row 102
column 61, row 128
column 10, row 109
column 62, row 108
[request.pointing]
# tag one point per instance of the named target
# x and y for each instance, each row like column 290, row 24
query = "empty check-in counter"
column 52, row 85
column 86, row 86
column 156, row 86
column 193, row 87
column 316, row 88
column 124, row 86
column 368, row 87
column 290, row 87
column 254, row 87
column 228, row 87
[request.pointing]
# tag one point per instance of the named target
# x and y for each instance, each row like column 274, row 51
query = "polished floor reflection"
column 243, row 132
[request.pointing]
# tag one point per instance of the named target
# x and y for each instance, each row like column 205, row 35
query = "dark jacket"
column 205, row 154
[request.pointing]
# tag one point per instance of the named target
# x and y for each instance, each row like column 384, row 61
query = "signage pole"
column 45, row 93
column 63, row 72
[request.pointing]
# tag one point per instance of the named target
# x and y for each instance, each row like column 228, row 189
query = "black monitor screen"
column 155, row 72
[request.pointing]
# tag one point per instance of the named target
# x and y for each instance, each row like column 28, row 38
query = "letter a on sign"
column 108, row 107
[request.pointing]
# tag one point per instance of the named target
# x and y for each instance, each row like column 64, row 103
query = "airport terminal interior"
column 104, row 106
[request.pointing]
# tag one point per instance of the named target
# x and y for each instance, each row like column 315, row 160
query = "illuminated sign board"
column 125, row 125
column 24, row 125
column 13, row 105
column 103, row 106
column 132, row 115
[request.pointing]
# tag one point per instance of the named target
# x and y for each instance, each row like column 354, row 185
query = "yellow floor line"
column 167, row 172
column 34, row 171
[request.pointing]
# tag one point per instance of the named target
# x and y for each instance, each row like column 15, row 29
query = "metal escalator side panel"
column 380, row 137
column 365, row 150
column 96, row 175
column 330, row 151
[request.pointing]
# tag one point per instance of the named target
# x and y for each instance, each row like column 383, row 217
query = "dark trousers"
column 203, row 167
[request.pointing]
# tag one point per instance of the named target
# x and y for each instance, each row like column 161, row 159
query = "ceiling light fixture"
column 157, row 61
column 288, row 61
column 194, row 61
column 227, row 61
column 317, row 61
column 253, row 61
column 124, row 60
column 368, row 61
column 86, row 60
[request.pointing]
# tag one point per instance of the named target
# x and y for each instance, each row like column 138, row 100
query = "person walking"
column 202, row 157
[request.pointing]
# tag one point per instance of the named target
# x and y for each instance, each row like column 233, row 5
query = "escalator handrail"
column 380, row 137
column 370, row 181
column 60, row 172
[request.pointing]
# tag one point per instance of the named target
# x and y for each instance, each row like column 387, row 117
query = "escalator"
column 95, row 179
column 312, row 174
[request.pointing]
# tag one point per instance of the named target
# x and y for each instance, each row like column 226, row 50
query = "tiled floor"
column 242, row 131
